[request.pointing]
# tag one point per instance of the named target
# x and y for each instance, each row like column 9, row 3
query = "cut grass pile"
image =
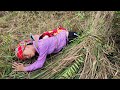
column 85, row 58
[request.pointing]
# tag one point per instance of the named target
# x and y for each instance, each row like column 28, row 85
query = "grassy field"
column 83, row 58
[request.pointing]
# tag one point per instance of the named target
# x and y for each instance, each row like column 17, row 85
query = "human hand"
column 18, row 67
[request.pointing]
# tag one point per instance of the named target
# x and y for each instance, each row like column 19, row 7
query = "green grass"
column 17, row 25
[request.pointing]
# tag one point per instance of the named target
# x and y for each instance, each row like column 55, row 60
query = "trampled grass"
column 92, row 44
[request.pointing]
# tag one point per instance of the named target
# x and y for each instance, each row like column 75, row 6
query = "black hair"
column 30, row 44
column 72, row 35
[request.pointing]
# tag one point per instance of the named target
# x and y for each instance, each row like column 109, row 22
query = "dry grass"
column 96, row 64
column 17, row 25
column 93, row 44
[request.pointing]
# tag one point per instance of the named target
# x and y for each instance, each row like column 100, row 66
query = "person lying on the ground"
column 45, row 44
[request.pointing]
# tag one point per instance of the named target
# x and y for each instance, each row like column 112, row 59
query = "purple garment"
column 47, row 46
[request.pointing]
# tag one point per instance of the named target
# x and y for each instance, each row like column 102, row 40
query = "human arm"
column 43, row 48
column 37, row 64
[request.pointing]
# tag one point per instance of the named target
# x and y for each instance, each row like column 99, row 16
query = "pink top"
column 47, row 46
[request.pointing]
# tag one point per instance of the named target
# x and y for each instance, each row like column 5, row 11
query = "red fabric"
column 20, row 48
column 20, row 53
column 53, row 32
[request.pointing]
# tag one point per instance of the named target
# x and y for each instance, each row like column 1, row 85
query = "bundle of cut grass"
column 84, row 58
column 92, row 47
column 17, row 25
